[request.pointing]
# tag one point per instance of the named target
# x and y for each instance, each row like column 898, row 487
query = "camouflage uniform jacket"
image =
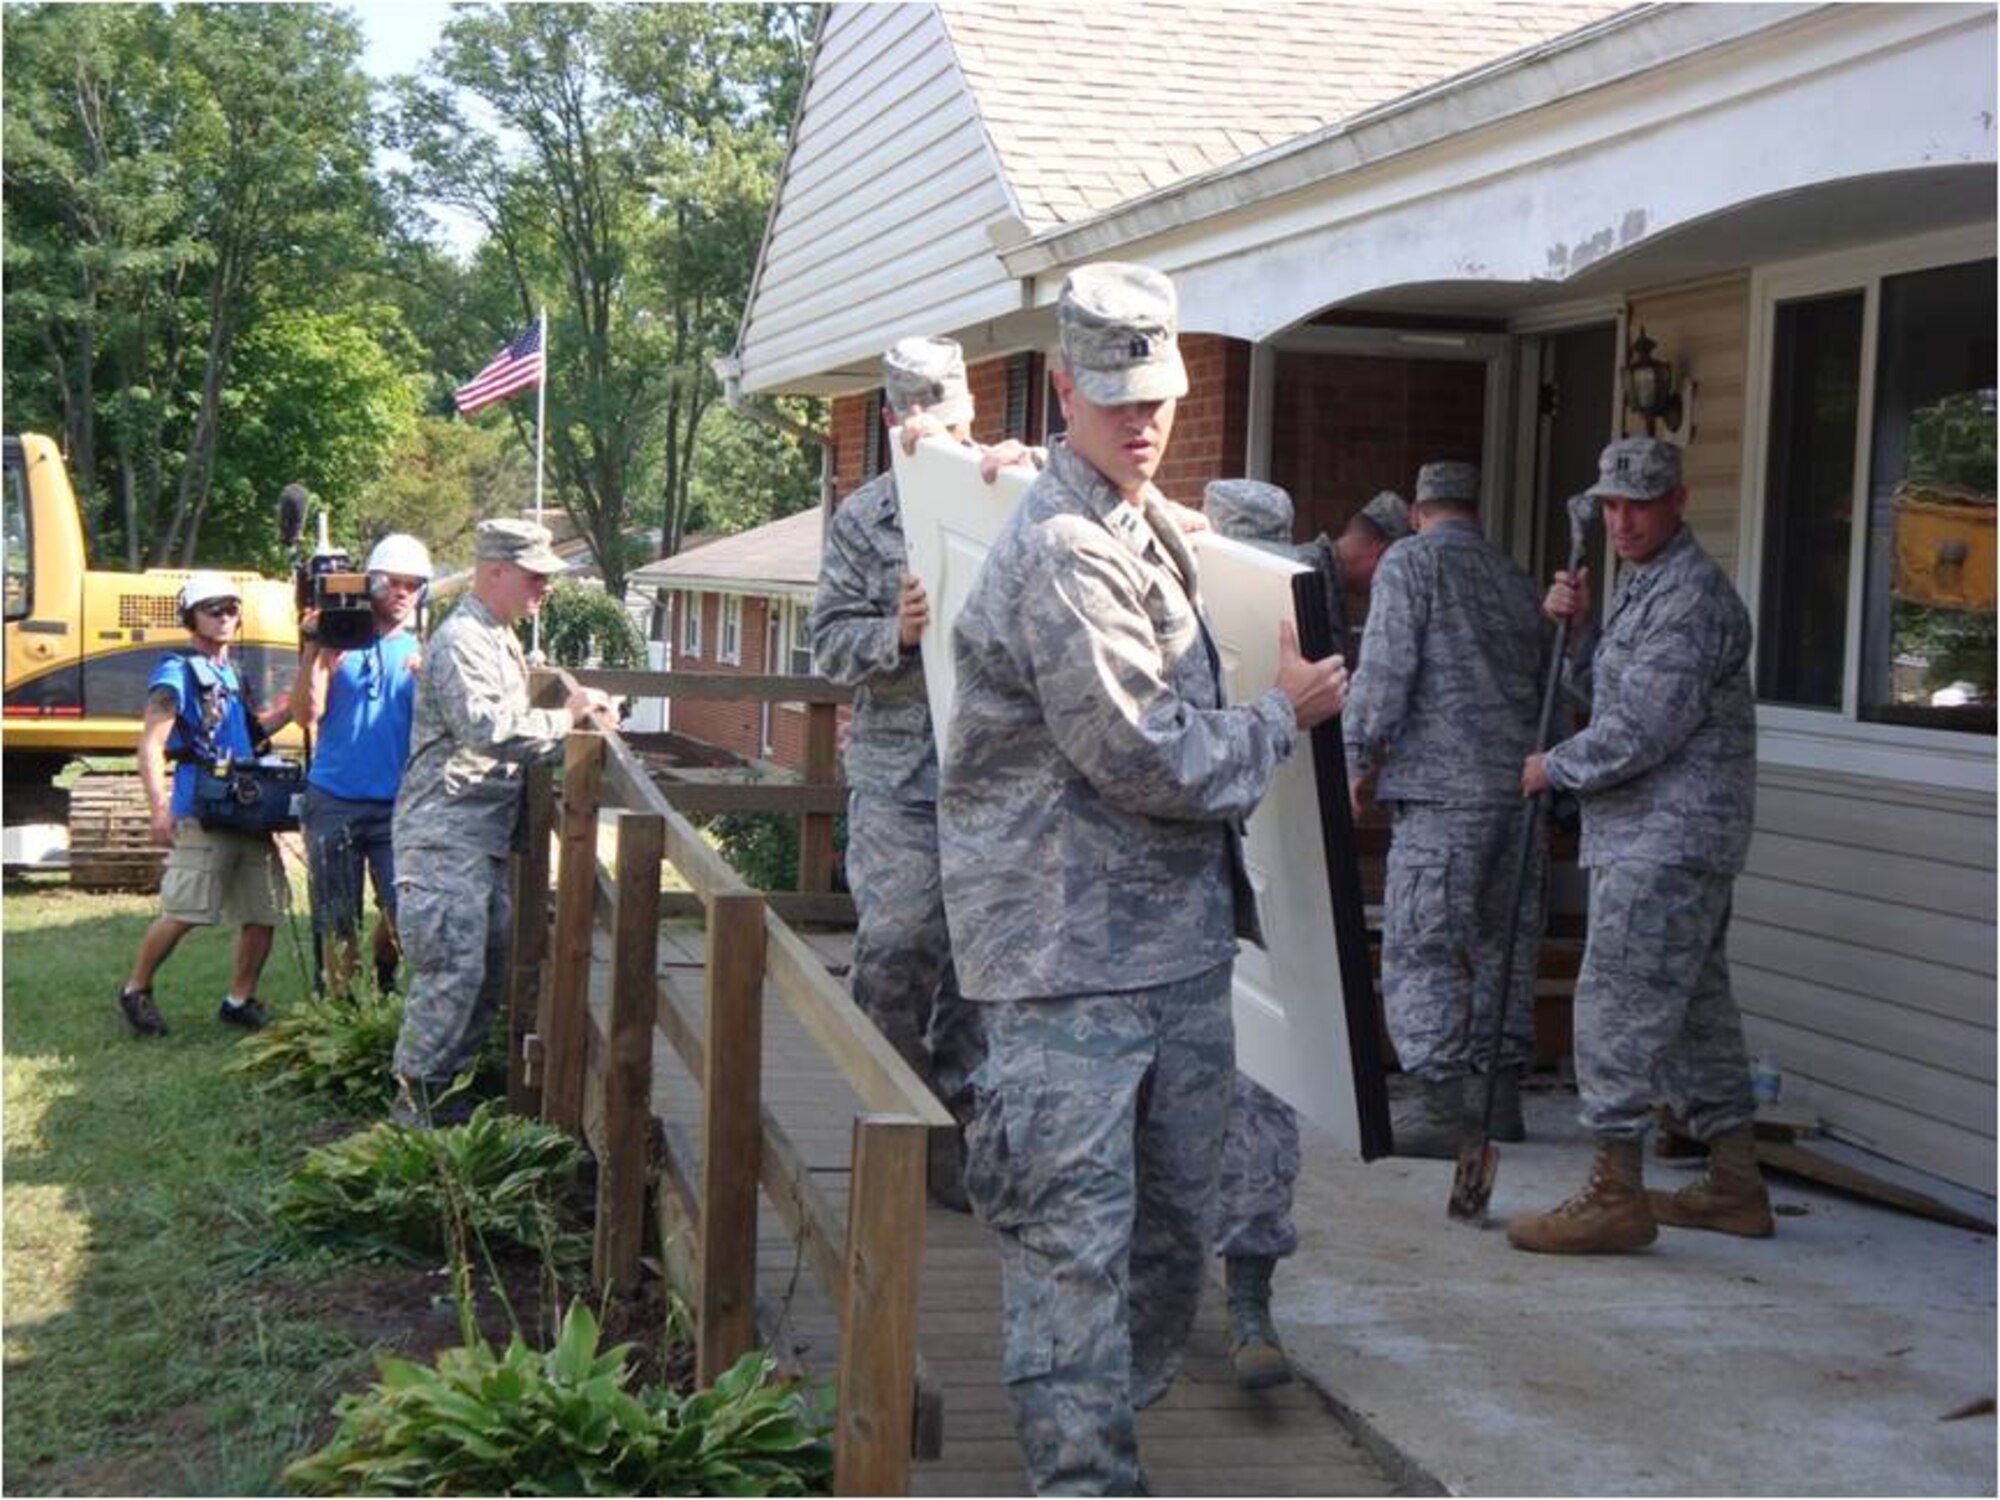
column 473, row 733
column 1667, row 771
column 1094, row 782
column 856, row 642
column 1445, row 697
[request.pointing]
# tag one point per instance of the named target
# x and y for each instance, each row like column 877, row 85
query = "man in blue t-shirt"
column 197, row 711
column 360, row 703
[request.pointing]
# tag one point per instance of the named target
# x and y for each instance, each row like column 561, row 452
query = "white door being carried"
column 1304, row 1007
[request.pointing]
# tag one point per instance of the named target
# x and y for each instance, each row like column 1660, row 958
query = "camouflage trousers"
column 1093, row 1155
column 1655, row 1018
column 453, row 910
column 1260, row 1168
column 1446, row 907
column 903, row 976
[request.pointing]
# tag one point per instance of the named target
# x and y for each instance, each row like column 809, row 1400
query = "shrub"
column 564, row 1423
column 581, row 622
column 764, row 848
column 397, row 1191
column 338, row 1048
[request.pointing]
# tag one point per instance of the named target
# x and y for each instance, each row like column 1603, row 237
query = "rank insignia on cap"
column 1140, row 347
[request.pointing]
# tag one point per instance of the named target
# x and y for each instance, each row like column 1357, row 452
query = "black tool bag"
column 249, row 797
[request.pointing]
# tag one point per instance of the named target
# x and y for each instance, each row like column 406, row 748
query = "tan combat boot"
column 1608, row 1216
column 1729, row 1197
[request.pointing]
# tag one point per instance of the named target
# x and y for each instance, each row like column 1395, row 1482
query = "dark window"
column 1808, row 506
column 19, row 541
column 875, row 453
column 1927, row 610
column 1025, row 383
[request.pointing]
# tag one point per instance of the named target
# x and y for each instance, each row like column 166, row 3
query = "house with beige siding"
column 1482, row 232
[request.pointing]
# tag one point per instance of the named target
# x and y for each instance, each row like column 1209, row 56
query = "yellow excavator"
column 81, row 644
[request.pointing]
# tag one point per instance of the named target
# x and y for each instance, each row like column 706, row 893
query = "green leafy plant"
column 1952, row 442
column 563, row 1422
column 764, row 848
column 397, row 1191
column 582, row 625
column 341, row 1049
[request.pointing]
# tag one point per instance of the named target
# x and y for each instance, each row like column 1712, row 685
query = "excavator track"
column 110, row 839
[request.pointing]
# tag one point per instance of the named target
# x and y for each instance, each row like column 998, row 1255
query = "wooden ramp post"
column 732, row 1143
column 529, row 945
column 565, row 1028
column 628, row 1064
column 876, row 1417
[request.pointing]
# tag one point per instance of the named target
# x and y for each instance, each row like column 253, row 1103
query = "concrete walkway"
column 1817, row 1362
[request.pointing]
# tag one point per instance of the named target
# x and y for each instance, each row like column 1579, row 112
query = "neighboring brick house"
column 1403, row 233
column 740, row 604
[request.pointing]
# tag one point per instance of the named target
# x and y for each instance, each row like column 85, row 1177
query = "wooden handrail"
column 597, row 1078
column 722, row 687
column 874, row 1069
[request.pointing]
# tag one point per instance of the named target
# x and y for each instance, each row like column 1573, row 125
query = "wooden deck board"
column 1203, row 1438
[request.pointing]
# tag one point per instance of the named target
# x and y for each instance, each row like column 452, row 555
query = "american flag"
column 515, row 368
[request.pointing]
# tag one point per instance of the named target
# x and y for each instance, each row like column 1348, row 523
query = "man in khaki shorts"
column 197, row 711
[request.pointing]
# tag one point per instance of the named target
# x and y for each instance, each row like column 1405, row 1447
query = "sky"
column 399, row 35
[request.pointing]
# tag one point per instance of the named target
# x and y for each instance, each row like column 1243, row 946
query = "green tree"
column 175, row 177
column 624, row 186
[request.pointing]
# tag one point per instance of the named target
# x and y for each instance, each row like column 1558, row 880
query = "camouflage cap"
column 522, row 543
column 929, row 373
column 1389, row 514
column 1638, row 468
column 1448, row 483
column 1248, row 510
column 1119, row 326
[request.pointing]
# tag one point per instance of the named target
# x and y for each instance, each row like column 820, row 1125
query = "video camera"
column 326, row 581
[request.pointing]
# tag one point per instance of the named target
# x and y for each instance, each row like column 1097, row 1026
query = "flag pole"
column 541, row 427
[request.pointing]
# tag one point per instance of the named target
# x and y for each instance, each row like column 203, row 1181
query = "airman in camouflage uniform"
column 868, row 622
column 1443, row 709
column 472, row 736
column 1093, row 791
column 1666, row 776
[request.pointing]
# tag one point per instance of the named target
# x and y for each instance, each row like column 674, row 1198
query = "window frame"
column 17, row 486
column 1828, row 739
column 730, row 618
column 798, row 637
column 691, row 623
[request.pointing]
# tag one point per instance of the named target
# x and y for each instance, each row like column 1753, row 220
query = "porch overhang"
column 1801, row 127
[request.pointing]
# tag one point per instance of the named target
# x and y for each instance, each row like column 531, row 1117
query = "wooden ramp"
column 1204, row 1438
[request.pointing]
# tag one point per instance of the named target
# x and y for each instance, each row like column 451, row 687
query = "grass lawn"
column 152, row 1345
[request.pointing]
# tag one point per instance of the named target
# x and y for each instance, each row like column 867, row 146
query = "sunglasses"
column 227, row 611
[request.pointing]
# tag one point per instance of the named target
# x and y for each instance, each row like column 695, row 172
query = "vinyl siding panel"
column 880, row 227
column 1863, row 959
column 1703, row 332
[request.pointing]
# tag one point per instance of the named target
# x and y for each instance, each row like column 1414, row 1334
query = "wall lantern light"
column 1649, row 386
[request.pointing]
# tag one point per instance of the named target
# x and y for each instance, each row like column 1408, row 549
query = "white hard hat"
column 401, row 554
column 205, row 586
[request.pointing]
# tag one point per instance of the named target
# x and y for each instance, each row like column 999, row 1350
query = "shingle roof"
column 1092, row 105
column 778, row 554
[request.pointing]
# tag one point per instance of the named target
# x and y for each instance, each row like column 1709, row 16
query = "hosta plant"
column 398, row 1191
column 564, row 1422
column 341, row 1048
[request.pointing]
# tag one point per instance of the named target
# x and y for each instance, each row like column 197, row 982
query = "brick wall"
column 736, row 727
column 1211, row 429
column 1212, row 425
column 850, row 444
column 1344, row 426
